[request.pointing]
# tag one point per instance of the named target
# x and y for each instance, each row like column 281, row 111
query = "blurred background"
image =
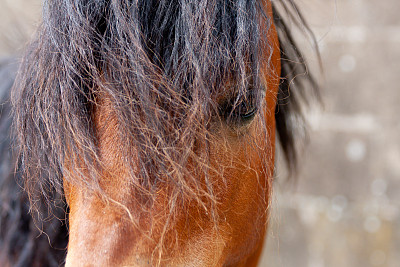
column 343, row 209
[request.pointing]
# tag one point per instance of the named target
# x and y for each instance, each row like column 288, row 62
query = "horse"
column 143, row 132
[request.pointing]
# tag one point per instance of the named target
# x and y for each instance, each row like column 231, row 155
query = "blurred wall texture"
column 343, row 209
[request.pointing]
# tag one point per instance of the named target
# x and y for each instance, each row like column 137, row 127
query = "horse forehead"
column 106, row 121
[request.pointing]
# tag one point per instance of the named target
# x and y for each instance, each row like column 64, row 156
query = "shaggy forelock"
column 161, row 63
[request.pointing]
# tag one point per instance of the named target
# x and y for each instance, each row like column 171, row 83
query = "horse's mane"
column 153, row 59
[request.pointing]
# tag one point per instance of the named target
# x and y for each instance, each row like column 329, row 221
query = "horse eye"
column 240, row 111
column 247, row 111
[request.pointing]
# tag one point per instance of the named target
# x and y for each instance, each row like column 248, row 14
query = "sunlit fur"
column 164, row 67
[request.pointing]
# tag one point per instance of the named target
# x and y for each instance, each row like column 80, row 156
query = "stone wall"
column 344, row 210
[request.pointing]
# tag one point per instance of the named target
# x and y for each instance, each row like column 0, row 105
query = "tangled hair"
column 161, row 64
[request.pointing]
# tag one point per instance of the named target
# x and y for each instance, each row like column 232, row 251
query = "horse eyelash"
column 239, row 115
